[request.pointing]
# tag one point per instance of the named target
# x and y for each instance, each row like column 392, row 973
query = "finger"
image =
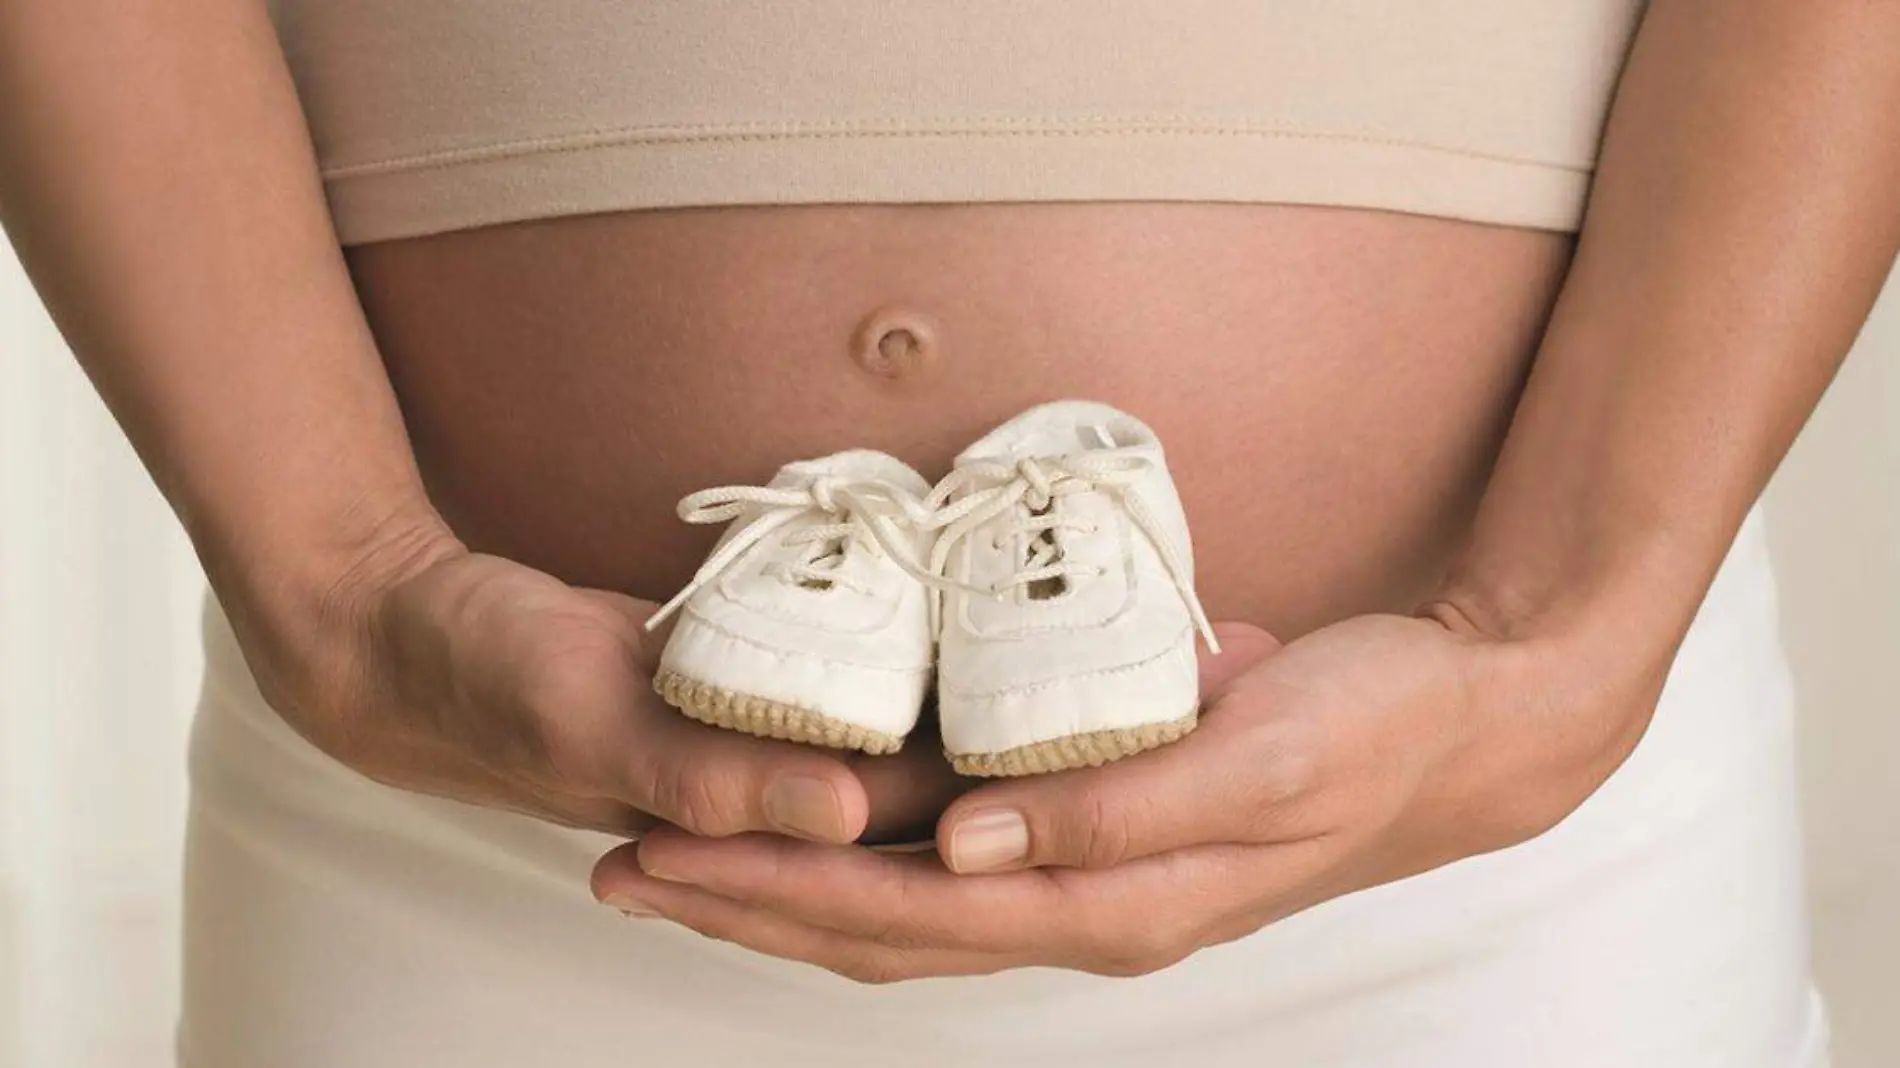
column 1131, row 919
column 791, row 789
column 647, row 644
column 775, row 935
column 719, row 783
column 1242, row 646
column 906, row 901
column 1210, row 787
column 602, row 732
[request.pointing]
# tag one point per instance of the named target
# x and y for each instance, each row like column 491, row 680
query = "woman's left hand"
column 1368, row 751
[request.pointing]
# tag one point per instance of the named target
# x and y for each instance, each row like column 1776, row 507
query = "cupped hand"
column 478, row 679
column 1366, row 752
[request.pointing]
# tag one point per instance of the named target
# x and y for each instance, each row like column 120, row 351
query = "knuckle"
column 580, row 672
column 1145, row 956
column 567, row 694
column 903, row 926
column 1523, row 814
column 1155, row 943
column 890, row 932
column 1285, row 787
column 875, row 967
column 564, row 750
column 1125, row 967
column 698, row 799
column 1133, row 950
column 1116, row 969
column 1290, row 777
column 1103, row 836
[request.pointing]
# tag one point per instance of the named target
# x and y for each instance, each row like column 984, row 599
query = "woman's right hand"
column 471, row 677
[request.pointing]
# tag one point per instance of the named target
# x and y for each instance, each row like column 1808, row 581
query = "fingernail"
column 629, row 907
column 988, row 841
column 662, row 874
column 805, row 806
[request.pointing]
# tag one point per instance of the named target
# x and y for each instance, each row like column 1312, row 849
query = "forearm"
column 157, row 181
column 1746, row 211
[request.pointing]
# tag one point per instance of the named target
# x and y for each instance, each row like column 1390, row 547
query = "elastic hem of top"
column 476, row 187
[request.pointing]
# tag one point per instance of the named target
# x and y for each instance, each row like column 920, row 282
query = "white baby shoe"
column 1068, row 612
column 807, row 622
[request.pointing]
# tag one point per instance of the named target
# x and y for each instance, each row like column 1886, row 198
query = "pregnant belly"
column 1332, row 386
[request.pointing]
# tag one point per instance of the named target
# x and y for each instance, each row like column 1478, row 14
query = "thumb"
column 634, row 613
column 717, row 783
column 1242, row 645
column 706, row 780
column 1188, row 793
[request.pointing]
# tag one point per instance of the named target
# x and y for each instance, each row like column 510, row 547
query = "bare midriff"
column 1331, row 385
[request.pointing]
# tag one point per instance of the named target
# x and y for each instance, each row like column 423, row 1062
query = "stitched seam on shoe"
column 727, row 632
column 1034, row 687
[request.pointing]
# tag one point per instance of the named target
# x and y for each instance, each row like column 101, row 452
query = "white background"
column 99, row 663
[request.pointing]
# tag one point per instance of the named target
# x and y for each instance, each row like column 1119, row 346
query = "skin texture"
column 1743, row 220
column 162, row 194
column 682, row 349
column 158, row 183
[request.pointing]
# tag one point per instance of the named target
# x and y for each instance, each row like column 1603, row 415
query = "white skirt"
column 332, row 922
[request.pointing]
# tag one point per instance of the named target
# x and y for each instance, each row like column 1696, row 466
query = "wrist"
column 300, row 600
column 1565, row 678
column 1616, row 603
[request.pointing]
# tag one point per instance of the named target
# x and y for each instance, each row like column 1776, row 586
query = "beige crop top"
column 434, row 115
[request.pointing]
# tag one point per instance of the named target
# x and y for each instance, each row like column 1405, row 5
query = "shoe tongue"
column 857, row 464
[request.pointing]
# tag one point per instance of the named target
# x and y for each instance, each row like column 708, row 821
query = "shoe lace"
column 1029, row 488
column 863, row 513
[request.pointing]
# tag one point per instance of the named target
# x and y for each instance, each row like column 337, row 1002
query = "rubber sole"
column 719, row 707
column 1090, row 750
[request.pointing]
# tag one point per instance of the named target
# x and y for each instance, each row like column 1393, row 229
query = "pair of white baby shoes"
column 1047, row 581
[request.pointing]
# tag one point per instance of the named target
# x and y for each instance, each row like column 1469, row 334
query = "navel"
column 895, row 343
